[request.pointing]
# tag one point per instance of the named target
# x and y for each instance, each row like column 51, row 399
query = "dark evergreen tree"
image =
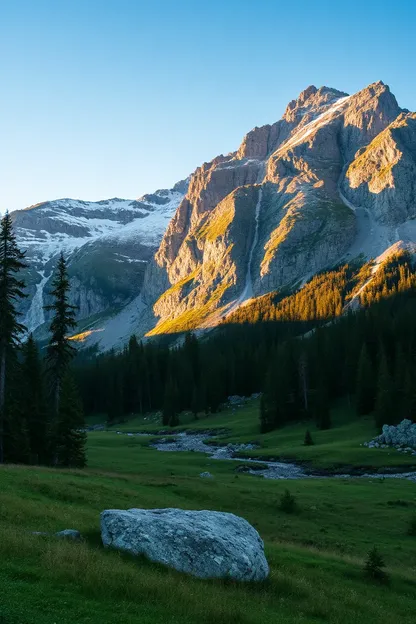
column 374, row 566
column 69, row 451
column 11, row 290
column 322, row 410
column 266, row 415
column 34, row 407
column 365, row 384
column 170, row 405
column 60, row 352
column 115, row 409
column 196, row 401
column 308, row 439
column 67, row 441
column 303, row 379
column 385, row 408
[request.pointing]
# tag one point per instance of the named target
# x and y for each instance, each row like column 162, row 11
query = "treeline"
column 367, row 357
column 300, row 367
column 325, row 296
column 199, row 375
column 41, row 416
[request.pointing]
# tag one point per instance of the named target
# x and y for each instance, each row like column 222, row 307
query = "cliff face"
column 297, row 196
column 107, row 244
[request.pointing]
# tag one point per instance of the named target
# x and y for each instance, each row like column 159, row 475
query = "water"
column 35, row 316
column 196, row 442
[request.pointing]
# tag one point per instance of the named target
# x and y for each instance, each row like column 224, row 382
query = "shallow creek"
column 196, row 442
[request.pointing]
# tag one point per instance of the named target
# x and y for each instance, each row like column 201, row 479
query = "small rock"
column 71, row 534
column 206, row 475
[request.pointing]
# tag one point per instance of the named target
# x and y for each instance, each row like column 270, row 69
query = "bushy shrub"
column 374, row 565
column 308, row 439
column 288, row 502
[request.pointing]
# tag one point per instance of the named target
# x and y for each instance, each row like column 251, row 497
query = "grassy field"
column 316, row 555
column 337, row 448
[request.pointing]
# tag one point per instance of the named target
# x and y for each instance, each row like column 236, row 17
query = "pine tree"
column 374, row 566
column 33, row 402
column 115, row 410
column 385, row 401
column 170, row 404
column 66, row 438
column 308, row 439
column 365, row 384
column 70, row 437
column 266, row 415
column 303, row 379
column 322, row 411
column 196, row 401
column 11, row 290
column 60, row 351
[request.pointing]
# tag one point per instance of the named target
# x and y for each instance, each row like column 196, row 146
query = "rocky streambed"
column 189, row 441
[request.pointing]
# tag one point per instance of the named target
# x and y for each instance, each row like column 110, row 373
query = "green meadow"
column 316, row 555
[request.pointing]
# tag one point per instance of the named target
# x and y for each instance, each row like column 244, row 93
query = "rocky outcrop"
column 401, row 436
column 382, row 177
column 205, row 544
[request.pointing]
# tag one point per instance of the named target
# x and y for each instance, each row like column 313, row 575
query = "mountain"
column 334, row 180
column 108, row 245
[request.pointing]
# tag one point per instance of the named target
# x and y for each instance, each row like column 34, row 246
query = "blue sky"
column 121, row 97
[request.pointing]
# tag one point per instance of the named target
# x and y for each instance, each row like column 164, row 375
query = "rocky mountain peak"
column 259, row 143
column 310, row 101
column 322, row 185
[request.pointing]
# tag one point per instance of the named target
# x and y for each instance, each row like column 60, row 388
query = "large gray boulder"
column 206, row 544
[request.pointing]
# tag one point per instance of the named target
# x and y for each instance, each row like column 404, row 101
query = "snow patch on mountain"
column 126, row 231
column 302, row 133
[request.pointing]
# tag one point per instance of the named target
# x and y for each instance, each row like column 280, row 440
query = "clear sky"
column 105, row 98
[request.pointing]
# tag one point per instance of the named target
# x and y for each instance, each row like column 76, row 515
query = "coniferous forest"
column 300, row 362
column 41, row 415
column 301, row 351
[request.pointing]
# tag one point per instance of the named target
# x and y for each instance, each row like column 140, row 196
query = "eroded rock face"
column 382, row 177
column 206, row 544
column 271, row 214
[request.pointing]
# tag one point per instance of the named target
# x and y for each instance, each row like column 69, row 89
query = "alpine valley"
column 332, row 182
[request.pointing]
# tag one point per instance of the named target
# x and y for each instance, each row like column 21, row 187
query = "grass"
column 316, row 555
column 335, row 449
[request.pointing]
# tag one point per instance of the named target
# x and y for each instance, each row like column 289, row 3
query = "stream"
column 196, row 442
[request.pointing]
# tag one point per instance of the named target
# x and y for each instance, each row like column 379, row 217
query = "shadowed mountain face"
column 333, row 179
column 108, row 245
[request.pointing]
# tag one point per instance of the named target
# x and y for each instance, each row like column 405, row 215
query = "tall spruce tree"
column 365, row 388
column 71, row 438
column 11, row 290
column 34, row 409
column 170, row 405
column 66, row 439
column 322, row 411
column 385, row 408
column 60, row 351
